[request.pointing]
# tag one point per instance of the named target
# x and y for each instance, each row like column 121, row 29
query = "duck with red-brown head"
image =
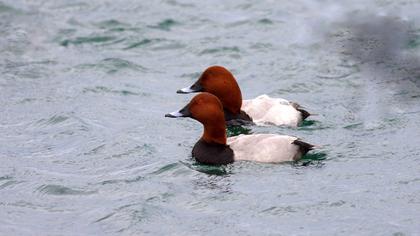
column 216, row 149
column 262, row 110
column 219, row 81
column 208, row 110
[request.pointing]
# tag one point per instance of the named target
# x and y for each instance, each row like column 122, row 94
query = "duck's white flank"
column 266, row 110
column 269, row 148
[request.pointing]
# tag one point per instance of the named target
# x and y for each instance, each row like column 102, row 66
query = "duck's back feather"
column 269, row 148
column 277, row 111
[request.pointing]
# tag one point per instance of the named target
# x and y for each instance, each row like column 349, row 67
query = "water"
column 86, row 150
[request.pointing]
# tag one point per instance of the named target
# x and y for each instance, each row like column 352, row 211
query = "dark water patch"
column 172, row 169
column 116, row 64
column 261, row 46
column 265, row 21
column 103, row 89
column 381, row 43
column 276, row 210
column 168, row 45
column 180, row 4
column 69, row 132
column 412, row 181
column 209, row 169
column 414, row 43
column 7, row 9
column 337, row 203
column 377, row 38
column 113, row 65
column 336, row 76
column 55, row 119
column 237, row 130
column 234, row 49
column 412, row 112
column 87, row 40
column 165, row 25
column 311, row 125
column 16, row 64
column 9, row 183
column 58, row 190
column 123, row 181
column 354, row 126
column 115, row 26
column 6, row 177
column 315, row 156
column 107, row 24
column 166, row 168
column 63, row 36
column 120, row 29
column 95, row 150
column 130, row 210
column 142, row 43
column 312, row 158
column 238, row 23
column 73, row 6
column 27, row 69
column 114, row 42
column 306, row 123
column 160, row 198
column 104, row 217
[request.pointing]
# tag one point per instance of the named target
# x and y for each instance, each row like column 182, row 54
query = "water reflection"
column 208, row 169
column 217, row 183
column 237, row 130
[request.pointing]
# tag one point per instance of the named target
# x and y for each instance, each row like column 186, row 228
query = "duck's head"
column 219, row 81
column 208, row 110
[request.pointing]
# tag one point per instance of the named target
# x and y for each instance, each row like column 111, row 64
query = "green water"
column 86, row 150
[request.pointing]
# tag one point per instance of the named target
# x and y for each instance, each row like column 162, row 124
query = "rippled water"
column 85, row 148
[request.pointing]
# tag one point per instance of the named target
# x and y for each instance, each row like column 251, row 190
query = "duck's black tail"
column 303, row 146
column 304, row 113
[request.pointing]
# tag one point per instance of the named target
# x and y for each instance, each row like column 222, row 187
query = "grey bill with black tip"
column 184, row 112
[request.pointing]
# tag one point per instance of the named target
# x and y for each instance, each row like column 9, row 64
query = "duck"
column 215, row 148
column 262, row 110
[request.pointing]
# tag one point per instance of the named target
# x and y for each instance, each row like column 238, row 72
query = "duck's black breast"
column 212, row 154
column 239, row 119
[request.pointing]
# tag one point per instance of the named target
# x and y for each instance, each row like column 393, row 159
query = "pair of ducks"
column 220, row 103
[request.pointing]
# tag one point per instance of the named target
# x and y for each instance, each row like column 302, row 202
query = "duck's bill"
column 186, row 90
column 195, row 88
column 184, row 112
column 174, row 114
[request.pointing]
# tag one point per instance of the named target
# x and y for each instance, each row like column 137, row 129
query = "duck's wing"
column 270, row 148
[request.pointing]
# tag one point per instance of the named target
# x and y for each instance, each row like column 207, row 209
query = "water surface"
column 86, row 150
